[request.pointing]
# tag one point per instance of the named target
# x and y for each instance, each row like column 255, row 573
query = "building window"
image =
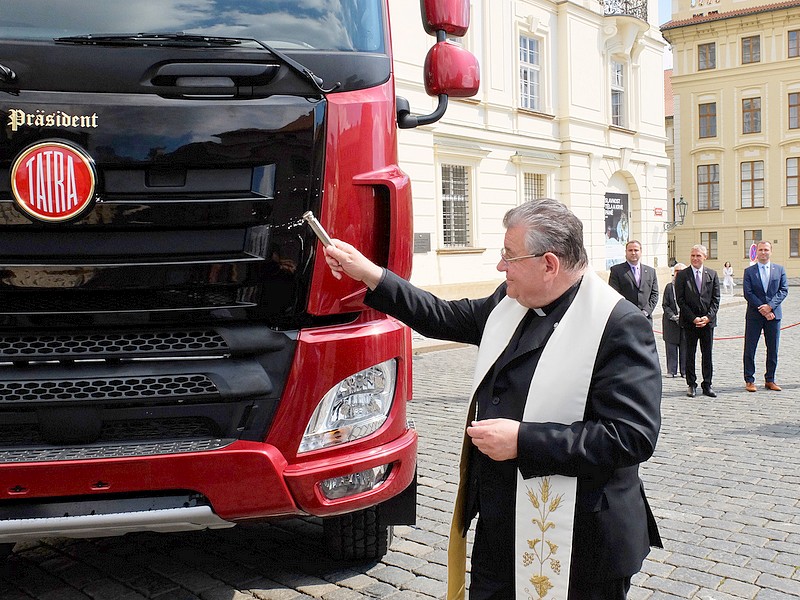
column 706, row 56
column 751, row 49
column 708, row 120
column 456, row 206
column 794, row 51
column 792, row 180
column 794, row 110
column 617, row 94
column 708, row 187
column 534, row 187
column 751, row 115
column 709, row 240
column 751, row 236
column 753, row 184
column 794, row 243
column 529, row 73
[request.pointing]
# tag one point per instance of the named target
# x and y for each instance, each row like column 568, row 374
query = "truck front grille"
column 109, row 451
column 122, row 388
column 125, row 344
column 79, row 394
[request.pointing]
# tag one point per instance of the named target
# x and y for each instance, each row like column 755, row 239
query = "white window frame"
column 618, row 111
column 754, row 188
column 536, row 162
column 792, row 185
column 534, row 99
column 535, row 183
column 469, row 216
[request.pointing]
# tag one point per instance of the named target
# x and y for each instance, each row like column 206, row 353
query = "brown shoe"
column 750, row 386
column 771, row 385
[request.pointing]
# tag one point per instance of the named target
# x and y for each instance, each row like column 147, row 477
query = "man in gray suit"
column 697, row 292
column 636, row 282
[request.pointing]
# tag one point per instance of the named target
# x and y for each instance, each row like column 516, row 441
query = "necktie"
column 636, row 273
column 698, row 281
column 764, row 277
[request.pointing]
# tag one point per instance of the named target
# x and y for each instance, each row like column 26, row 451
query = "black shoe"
column 692, row 391
column 709, row 392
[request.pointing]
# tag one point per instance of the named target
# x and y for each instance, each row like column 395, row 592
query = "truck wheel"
column 6, row 550
column 357, row 536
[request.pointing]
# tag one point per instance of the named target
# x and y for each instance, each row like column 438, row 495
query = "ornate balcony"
column 630, row 8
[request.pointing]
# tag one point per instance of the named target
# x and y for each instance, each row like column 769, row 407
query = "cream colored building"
column 571, row 106
column 736, row 85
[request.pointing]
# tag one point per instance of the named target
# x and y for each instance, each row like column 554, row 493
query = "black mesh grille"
column 130, row 300
column 72, row 346
column 123, row 388
column 109, row 451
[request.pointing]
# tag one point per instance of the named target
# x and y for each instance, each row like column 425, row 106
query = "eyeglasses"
column 508, row 260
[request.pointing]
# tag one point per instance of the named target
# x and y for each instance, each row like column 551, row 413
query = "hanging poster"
column 617, row 228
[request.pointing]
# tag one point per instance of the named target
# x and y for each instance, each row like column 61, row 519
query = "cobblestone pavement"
column 724, row 484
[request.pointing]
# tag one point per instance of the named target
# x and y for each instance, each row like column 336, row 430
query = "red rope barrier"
column 736, row 337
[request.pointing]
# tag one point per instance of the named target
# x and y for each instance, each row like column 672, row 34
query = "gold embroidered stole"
column 545, row 505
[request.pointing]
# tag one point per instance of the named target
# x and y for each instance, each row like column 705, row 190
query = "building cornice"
column 713, row 16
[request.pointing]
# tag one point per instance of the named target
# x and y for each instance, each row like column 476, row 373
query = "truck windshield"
column 329, row 25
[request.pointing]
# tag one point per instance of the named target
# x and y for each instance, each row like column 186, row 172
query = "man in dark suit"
column 546, row 270
column 697, row 292
column 671, row 329
column 636, row 282
column 765, row 287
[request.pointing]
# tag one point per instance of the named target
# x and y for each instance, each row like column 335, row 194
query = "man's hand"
column 701, row 321
column 770, row 316
column 496, row 438
column 344, row 258
column 765, row 309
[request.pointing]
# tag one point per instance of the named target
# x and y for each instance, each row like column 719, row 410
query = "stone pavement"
column 724, row 485
column 724, row 482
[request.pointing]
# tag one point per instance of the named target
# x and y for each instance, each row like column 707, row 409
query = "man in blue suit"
column 765, row 287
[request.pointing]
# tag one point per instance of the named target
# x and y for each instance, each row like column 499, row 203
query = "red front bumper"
column 242, row 481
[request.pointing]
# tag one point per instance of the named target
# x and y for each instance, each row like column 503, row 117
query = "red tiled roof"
column 718, row 16
column 669, row 106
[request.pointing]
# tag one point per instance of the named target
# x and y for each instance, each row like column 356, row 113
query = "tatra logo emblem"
column 53, row 181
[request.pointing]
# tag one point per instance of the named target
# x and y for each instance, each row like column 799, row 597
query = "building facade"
column 571, row 107
column 736, row 86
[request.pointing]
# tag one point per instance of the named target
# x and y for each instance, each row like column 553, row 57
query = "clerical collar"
column 569, row 294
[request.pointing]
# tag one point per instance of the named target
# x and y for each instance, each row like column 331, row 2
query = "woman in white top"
column 727, row 280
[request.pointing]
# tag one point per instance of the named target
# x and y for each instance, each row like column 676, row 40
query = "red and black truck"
column 174, row 354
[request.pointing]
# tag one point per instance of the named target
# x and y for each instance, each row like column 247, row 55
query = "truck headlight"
column 353, row 408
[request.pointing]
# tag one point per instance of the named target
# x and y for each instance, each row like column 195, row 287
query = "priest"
column 565, row 406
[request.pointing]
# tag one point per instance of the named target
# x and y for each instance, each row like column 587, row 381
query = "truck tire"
column 357, row 536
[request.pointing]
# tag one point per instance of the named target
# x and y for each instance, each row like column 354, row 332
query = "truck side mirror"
column 451, row 70
column 450, row 16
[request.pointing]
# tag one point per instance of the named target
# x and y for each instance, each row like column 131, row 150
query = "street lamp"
column 680, row 213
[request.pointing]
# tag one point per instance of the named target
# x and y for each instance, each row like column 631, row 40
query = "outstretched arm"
column 344, row 258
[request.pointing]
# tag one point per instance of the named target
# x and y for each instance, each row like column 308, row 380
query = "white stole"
column 545, row 506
